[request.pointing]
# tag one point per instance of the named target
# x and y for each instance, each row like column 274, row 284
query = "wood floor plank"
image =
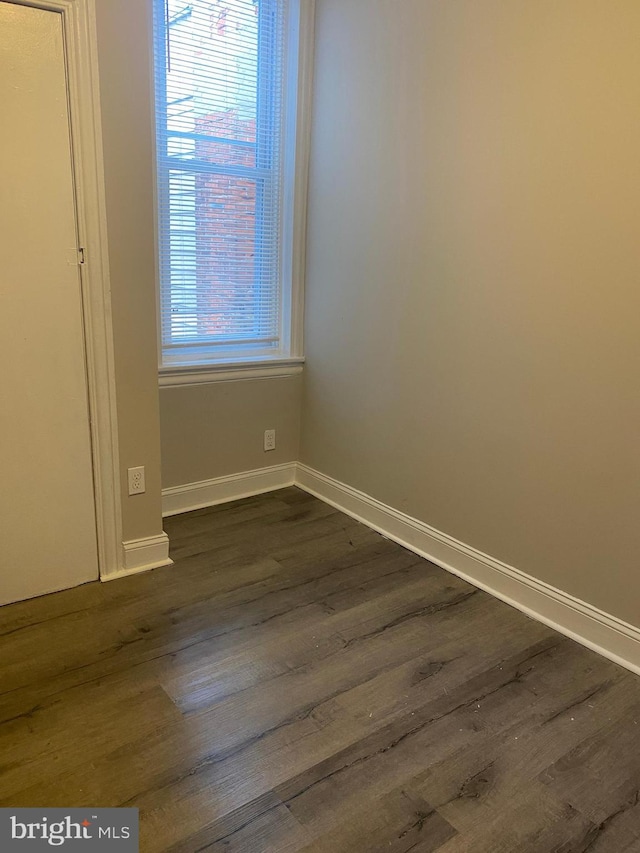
column 610, row 754
column 398, row 822
column 534, row 823
column 265, row 825
column 46, row 741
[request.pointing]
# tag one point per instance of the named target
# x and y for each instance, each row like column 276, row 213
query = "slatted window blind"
column 219, row 108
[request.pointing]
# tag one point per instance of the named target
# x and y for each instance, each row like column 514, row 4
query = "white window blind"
column 220, row 104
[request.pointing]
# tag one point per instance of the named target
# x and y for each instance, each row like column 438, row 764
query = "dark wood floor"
column 298, row 683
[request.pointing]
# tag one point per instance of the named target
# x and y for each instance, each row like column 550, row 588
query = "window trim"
column 289, row 359
column 233, row 371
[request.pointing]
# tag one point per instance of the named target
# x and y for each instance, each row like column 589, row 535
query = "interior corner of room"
column 471, row 303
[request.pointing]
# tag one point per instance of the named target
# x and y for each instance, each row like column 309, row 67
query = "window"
column 227, row 92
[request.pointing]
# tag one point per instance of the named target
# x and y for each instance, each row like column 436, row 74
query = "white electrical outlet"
column 136, row 480
column 269, row 439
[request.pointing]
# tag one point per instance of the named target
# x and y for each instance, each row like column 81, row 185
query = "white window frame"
column 187, row 370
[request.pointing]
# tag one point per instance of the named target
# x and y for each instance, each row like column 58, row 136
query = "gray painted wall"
column 472, row 282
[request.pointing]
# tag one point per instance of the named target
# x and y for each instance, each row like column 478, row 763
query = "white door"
column 47, row 506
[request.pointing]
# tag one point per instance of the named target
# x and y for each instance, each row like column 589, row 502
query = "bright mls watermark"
column 79, row 830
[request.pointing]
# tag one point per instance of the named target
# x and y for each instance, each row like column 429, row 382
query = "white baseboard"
column 222, row 489
column 599, row 631
column 141, row 555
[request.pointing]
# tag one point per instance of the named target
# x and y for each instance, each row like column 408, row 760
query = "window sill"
column 205, row 374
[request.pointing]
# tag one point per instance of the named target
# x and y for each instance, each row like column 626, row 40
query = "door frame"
column 81, row 56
